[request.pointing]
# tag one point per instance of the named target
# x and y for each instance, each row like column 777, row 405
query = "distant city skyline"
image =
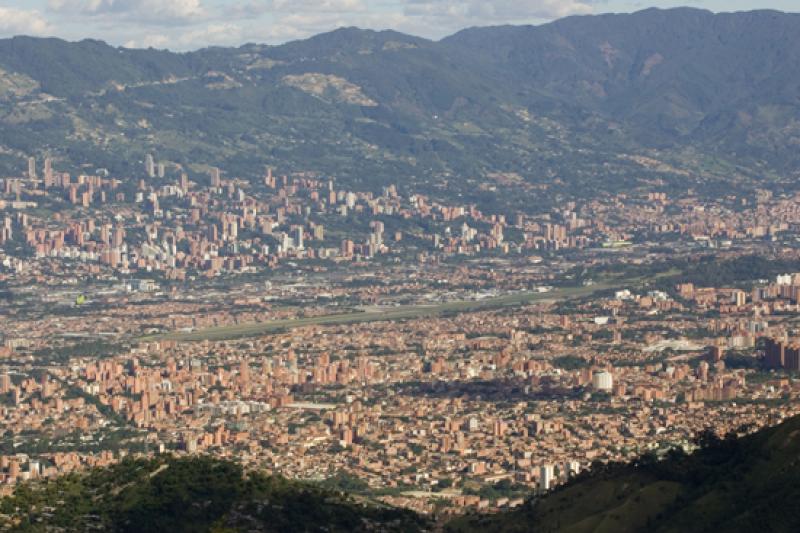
column 190, row 24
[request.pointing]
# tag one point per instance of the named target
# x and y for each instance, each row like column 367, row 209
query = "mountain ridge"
column 713, row 96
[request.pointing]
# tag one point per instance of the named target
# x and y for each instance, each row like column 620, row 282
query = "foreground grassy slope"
column 197, row 495
column 731, row 484
column 752, row 483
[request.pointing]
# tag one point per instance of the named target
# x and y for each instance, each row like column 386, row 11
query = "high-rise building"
column 286, row 242
column 792, row 358
column 774, row 354
column 572, row 468
column 702, row 371
column 298, row 237
column 603, row 381
column 739, row 298
column 118, row 237
column 244, row 371
column 150, row 166
column 48, row 172
column 5, row 383
column 348, row 248
column 546, row 475
column 45, row 385
column 32, row 168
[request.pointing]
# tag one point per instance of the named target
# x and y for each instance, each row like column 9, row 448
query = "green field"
column 398, row 313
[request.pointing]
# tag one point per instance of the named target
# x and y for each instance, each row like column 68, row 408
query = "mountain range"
column 680, row 98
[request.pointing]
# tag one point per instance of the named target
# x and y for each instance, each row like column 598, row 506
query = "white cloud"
column 428, row 18
column 483, row 12
column 151, row 40
column 210, row 35
column 160, row 12
column 196, row 37
column 188, row 24
column 21, row 22
column 261, row 7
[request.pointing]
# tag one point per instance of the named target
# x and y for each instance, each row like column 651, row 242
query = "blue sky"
column 191, row 24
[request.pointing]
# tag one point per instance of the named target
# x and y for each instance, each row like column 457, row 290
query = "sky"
column 192, row 24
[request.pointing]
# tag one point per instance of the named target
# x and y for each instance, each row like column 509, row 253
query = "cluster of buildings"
column 780, row 354
column 531, row 395
column 128, row 307
column 208, row 225
column 176, row 226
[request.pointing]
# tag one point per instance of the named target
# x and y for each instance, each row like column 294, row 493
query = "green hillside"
column 192, row 495
column 747, row 484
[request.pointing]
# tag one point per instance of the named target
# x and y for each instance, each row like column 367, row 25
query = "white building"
column 546, row 475
column 150, row 166
column 572, row 468
column 603, row 381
